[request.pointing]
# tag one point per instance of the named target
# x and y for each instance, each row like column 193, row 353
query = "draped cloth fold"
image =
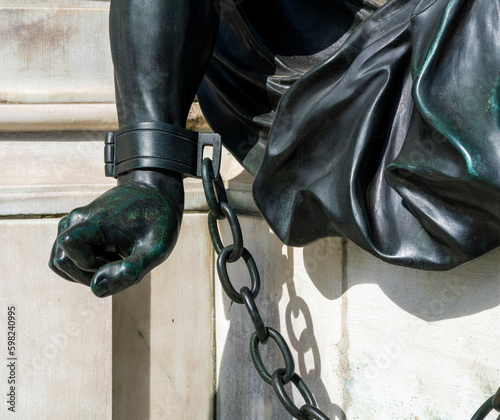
column 382, row 126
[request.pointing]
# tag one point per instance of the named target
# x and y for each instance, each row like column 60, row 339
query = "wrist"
column 166, row 183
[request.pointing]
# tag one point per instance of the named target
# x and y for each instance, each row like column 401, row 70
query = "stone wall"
column 371, row 340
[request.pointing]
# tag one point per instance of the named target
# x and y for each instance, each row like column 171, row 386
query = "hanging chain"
column 220, row 209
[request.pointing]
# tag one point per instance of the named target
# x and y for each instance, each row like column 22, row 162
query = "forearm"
column 160, row 49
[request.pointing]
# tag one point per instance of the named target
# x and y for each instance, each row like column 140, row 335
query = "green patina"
column 425, row 108
column 494, row 100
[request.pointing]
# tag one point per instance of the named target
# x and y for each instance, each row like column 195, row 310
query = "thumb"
column 117, row 276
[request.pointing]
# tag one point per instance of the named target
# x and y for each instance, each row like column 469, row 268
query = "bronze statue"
column 378, row 124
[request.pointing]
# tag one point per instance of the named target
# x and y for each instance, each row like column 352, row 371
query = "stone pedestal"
column 372, row 341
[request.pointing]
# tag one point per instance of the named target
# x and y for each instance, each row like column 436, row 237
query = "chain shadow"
column 332, row 266
column 302, row 345
column 241, row 393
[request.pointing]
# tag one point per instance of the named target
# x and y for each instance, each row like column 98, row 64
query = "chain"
column 492, row 403
column 219, row 210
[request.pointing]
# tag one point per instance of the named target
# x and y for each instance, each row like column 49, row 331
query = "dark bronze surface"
column 377, row 124
column 158, row 146
column 160, row 59
column 383, row 128
column 113, row 242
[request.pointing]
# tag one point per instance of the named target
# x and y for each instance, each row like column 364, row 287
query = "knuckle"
column 59, row 262
column 77, row 216
column 63, row 223
column 127, row 271
column 65, row 240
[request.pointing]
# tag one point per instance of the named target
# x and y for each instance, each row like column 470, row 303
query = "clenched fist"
column 113, row 242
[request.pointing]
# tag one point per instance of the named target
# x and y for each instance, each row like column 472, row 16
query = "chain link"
column 285, row 351
column 234, row 224
column 253, row 312
column 496, row 400
column 492, row 403
column 313, row 412
column 220, row 209
column 225, row 281
column 278, row 382
column 215, row 193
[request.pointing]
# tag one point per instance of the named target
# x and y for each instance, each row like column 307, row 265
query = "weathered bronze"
column 218, row 207
column 378, row 124
column 160, row 59
column 117, row 239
